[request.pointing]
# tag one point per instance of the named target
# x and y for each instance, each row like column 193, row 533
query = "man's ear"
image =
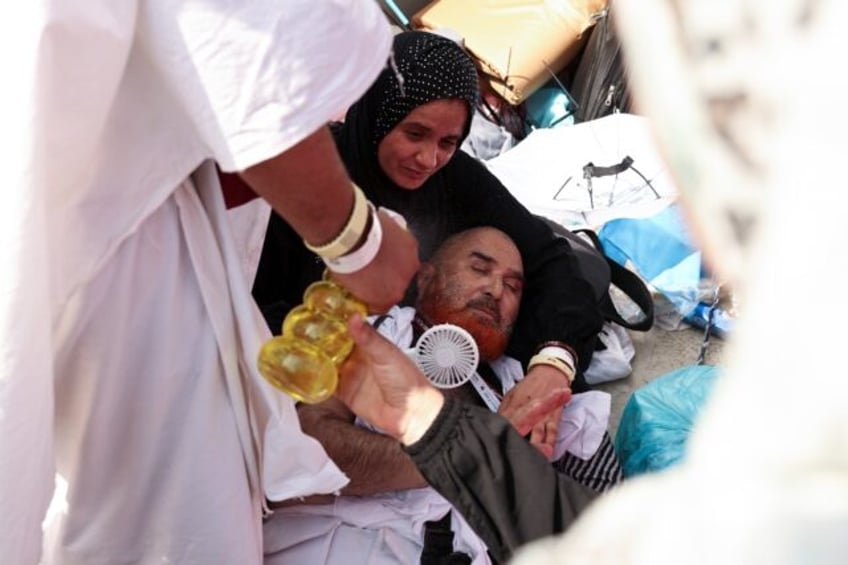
column 424, row 276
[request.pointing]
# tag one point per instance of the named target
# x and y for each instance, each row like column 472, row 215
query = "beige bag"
column 518, row 43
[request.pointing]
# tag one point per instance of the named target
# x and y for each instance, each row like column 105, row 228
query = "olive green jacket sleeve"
column 506, row 490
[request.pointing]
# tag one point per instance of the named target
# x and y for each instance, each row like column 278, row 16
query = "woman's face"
column 423, row 142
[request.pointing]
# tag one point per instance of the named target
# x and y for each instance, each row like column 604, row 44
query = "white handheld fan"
column 446, row 354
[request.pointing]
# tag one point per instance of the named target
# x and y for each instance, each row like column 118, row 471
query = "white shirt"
column 127, row 329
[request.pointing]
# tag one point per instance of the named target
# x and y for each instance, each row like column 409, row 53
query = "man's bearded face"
column 476, row 286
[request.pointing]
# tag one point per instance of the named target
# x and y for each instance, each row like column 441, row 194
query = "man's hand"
column 521, row 406
column 309, row 187
column 383, row 283
column 381, row 384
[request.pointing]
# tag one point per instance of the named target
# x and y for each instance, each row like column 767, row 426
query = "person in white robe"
column 128, row 337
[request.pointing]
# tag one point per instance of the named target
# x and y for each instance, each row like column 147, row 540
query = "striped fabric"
column 600, row 473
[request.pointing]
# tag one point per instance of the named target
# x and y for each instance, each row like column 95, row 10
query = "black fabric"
column 506, row 490
column 592, row 170
column 600, row 85
column 602, row 271
column 631, row 285
column 558, row 303
column 438, row 544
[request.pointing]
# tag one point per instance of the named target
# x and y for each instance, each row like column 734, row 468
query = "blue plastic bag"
column 550, row 106
column 660, row 249
column 658, row 418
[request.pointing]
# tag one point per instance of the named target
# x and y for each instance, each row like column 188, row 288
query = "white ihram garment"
column 127, row 332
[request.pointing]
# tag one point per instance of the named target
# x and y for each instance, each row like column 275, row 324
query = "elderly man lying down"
column 387, row 511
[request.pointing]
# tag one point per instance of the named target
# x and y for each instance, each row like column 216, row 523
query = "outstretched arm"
column 506, row 490
column 374, row 462
column 477, row 460
column 309, row 187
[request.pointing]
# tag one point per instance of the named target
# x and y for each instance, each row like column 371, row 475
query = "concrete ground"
column 659, row 352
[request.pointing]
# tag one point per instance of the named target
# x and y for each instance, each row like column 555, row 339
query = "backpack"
column 606, row 276
column 600, row 85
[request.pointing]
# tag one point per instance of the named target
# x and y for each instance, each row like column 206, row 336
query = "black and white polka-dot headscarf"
column 423, row 67
column 432, row 67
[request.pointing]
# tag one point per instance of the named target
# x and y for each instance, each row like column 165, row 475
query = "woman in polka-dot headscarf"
column 400, row 143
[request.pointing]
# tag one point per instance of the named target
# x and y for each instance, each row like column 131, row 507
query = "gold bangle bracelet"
column 351, row 233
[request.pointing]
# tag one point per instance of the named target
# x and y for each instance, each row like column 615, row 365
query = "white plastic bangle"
column 558, row 352
column 350, row 234
column 364, row 254
column 555, row 362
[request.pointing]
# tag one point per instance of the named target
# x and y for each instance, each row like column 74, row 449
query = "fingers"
column 371, row 344
column 360, row 331
column 545, row 449
column 544, row 434
column 391, row 366
column 356, row 378
column 525, row 417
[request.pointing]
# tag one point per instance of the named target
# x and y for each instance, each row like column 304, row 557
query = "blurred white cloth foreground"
column 750, row 115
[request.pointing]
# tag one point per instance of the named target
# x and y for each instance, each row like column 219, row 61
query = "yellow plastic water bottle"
column 303, row 362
